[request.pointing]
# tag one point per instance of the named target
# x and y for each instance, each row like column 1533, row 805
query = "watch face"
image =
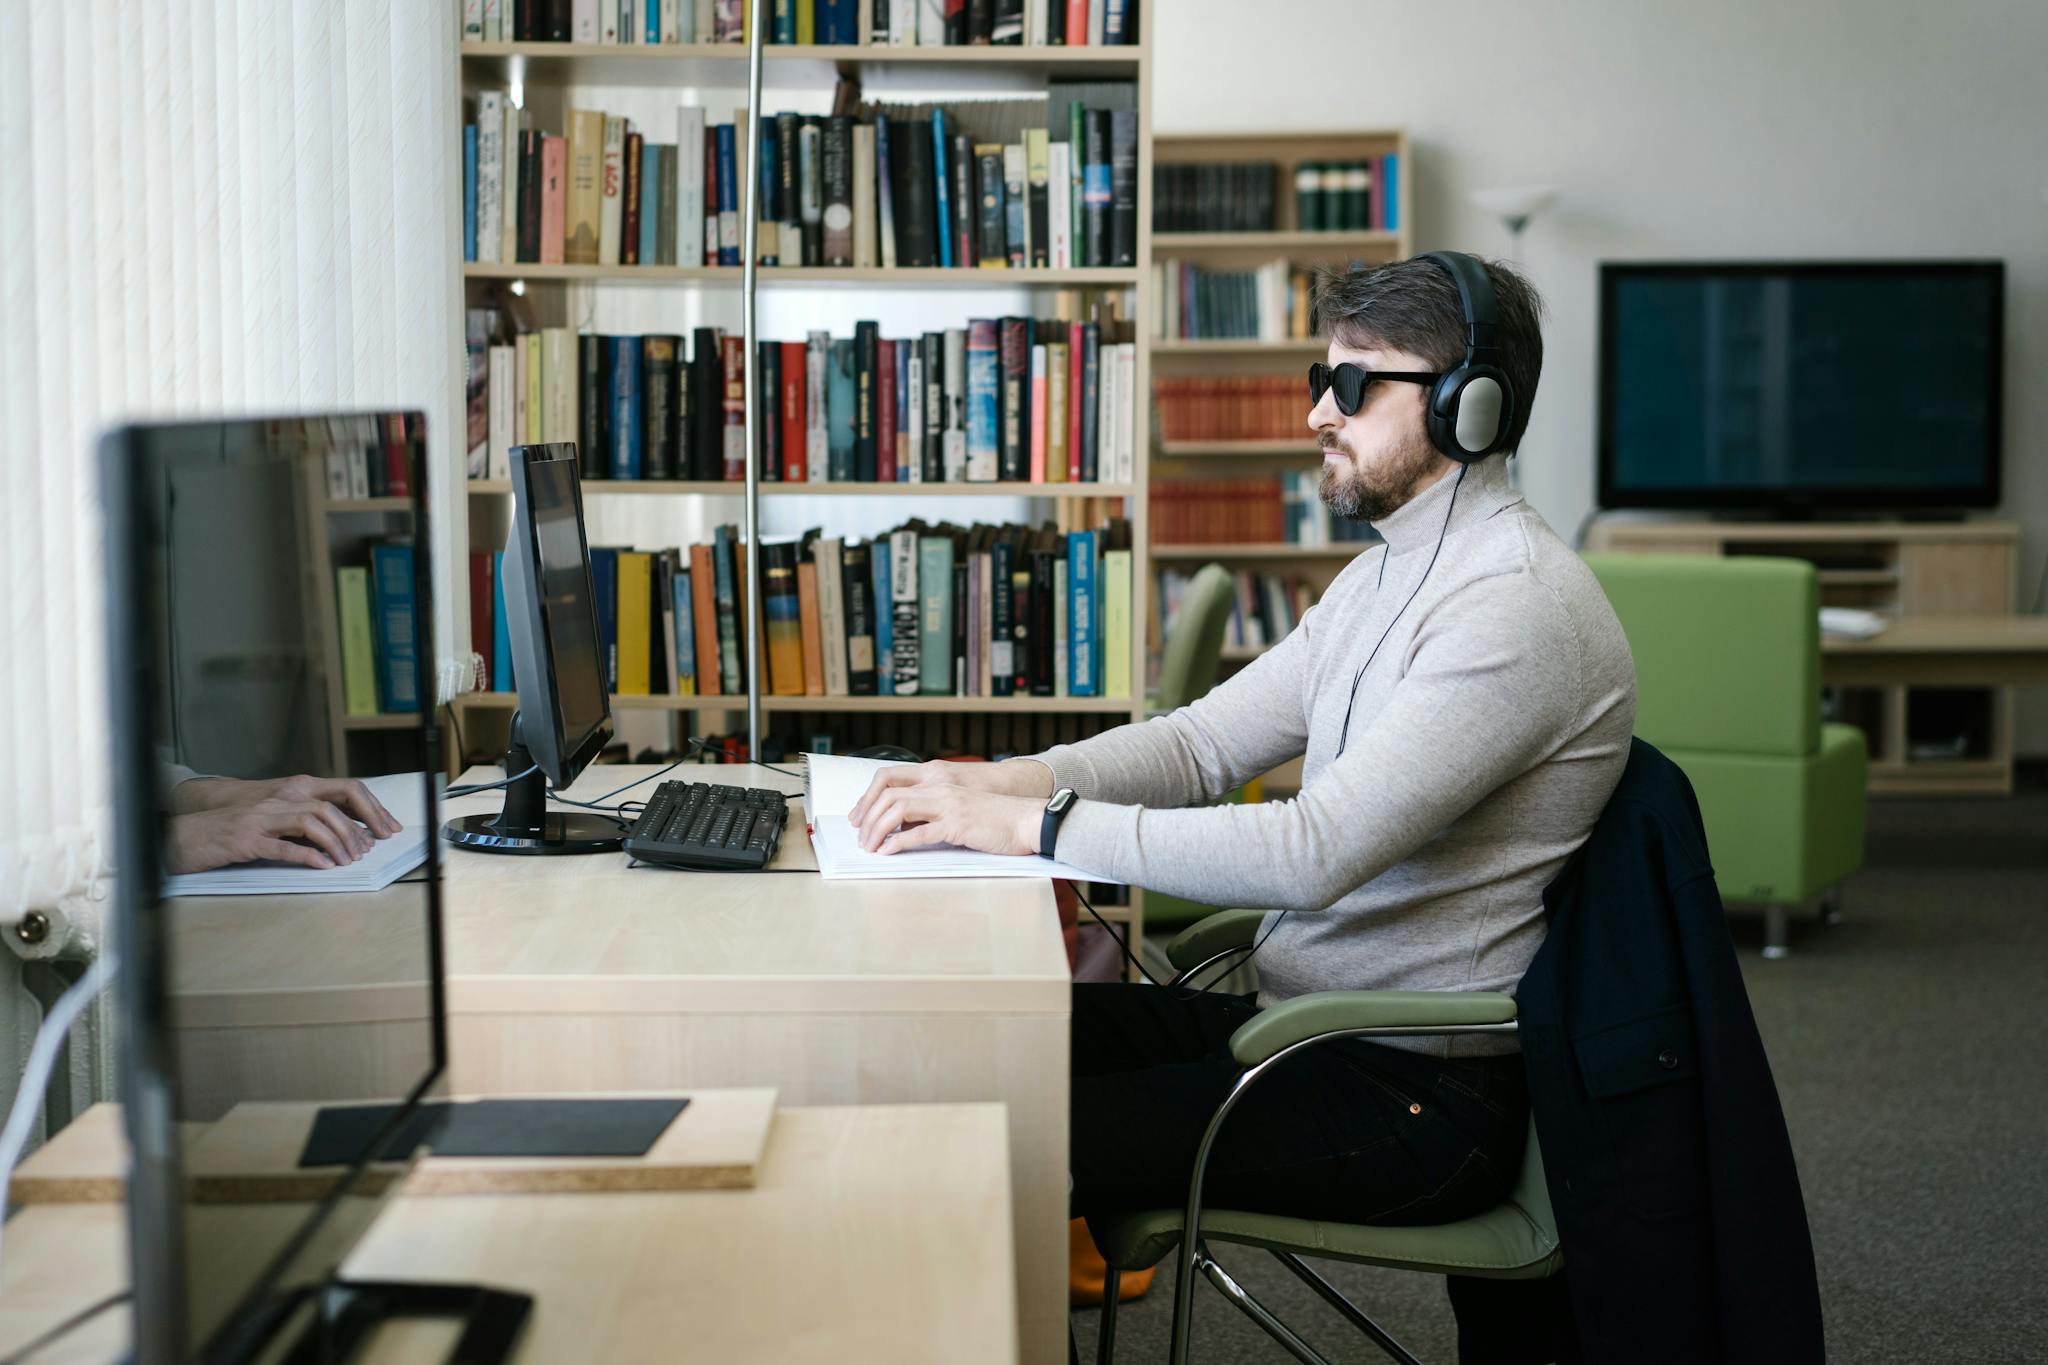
column 1061, row 799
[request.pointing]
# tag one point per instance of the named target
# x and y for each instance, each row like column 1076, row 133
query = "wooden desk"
column 579, row 974
column 1942, row 651
column 876, row 1234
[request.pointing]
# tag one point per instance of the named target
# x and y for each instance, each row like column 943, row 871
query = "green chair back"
column 1194, row 647
column 1727, row 650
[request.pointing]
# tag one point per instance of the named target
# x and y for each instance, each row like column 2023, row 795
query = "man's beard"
column 1356, row 495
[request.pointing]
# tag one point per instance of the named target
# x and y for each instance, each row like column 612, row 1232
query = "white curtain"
column 206, row 206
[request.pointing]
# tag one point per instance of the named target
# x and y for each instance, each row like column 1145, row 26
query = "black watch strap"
column 1055, row 811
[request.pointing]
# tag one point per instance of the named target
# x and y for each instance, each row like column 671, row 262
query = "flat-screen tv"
column 1801, row 386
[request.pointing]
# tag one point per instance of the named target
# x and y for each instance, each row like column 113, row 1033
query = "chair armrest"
column 1304, row 1017
column 1219, row 933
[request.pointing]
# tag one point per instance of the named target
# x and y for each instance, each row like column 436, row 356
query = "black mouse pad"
column 528, row 1128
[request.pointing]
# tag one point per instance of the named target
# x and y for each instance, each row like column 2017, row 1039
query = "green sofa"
column 1727, row 655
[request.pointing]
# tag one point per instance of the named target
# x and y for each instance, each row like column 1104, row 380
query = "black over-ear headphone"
column 1472, row 408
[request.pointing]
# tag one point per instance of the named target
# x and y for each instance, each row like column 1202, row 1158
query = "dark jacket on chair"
column 1669, row 1165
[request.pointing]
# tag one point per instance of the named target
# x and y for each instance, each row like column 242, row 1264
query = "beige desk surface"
column 593, row 934
column 1938, row 650
column 877, row 1234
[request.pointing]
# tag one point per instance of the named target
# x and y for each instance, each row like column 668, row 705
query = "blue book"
column 622, row 364
column 650, row 200
column 885, row 629
column 1083, row 597
column 469, row 191
column 839, row 410
column 729, row 195
column 935, row 615
column 984, row 383
column 838, row 21
column 501, row 640
column 1114, row 28
column 785, row 21
column 769, row 241
column 653, row 8
column 686, row 634
column 1390, row 200
column 604, row 588
column 398, row 659
column 940, row 179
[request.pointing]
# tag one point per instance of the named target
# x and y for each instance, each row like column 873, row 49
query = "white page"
column 834, row 784
column 403, row 794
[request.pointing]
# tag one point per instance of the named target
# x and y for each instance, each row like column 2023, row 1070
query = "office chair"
column 1515, row 1240
column 1194, row 647
column 1727, row 656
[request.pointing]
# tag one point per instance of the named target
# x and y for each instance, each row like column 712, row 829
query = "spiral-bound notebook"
column 834, row 784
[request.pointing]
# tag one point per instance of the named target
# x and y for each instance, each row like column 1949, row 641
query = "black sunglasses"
column 1351, row 381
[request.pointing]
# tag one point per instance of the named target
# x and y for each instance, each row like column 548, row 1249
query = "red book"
column 480, row 600
column 397, row 467
column 793, row 416
column 1077, row 23
column 629, row 224
column 1038, row 378
column 732, row 354
column 885, row 412
column 1074, row 335
column 554, row 166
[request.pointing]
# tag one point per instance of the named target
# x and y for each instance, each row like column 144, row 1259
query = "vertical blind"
column 206, row 206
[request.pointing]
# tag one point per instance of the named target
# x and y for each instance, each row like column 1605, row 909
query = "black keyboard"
column 716, row 828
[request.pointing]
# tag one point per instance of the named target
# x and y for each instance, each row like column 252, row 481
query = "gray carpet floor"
column 1907, row 1045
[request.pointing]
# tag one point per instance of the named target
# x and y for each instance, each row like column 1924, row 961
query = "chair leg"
column 1258, row 1312
column 1351, row 1311
column 1776, row 933
column 1831, row 906
column 1105, row 1336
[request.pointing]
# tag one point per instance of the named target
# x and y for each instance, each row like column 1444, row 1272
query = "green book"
column 1116, row 623
column 358, row 643
column 935, row 624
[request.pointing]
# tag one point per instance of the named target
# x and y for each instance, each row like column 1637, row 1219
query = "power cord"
column 476, row 787
column 1123, row 940
column 42, row 1060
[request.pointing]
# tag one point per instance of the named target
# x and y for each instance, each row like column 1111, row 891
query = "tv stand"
column 525, row 824
column 1924, row 740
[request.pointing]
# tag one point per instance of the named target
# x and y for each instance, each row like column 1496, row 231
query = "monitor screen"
column 565, row 591
column 270, row 668
column 1853, row 383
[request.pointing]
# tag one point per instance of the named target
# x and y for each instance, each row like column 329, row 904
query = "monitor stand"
column 349, row 1310
column 526, row 825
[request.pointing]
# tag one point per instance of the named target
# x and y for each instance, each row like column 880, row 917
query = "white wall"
column 1675, row 128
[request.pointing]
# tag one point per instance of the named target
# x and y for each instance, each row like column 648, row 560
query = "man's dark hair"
column 1413, row 306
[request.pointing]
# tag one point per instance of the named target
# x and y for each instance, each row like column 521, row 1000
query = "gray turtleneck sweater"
column 1486, row 735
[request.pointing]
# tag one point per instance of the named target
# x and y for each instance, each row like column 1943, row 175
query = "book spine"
column 904, row 648
column 768, row 236
column 529, row 195
column 1096, row 189
column 942, row 190
column 1036, row 468
column 789, row 248
column 1038, row 176
column 817, row 408
column 866, row 360
column 866, row 251
column 508, row 161
column 957, row 651
column 983, row 387
column 935, row 624
column 683, row 604
column 469, row 185
column 725, row 585
column 501, row 635
column 782, row 609
column 625, row 407
column 768, row 409
column 497, row 466
column 1021, row 627
column 1016, row 214
column 611, row 190
column 1002, row 630
column 704, row 620
column 911, row 161
column 832, row 613
column 391, row 578
column 728, row 197
column 1014, row 436
column 472, row 21
column 953, row 449
column 961, row 162
column 559, row 371
column 1059, row 208
column 933, row 457
column 811, row 191
column 991, row 250
column 635, row 595
column 650, row 201
column 665, row 209
column 1123, row 187
column 629, row 202
column 958, row 29
column 1075, row 396
column 689, row 185
column 910, row 431
column 359, row 638
column 885, row 623
column 885, row 411
column 885, row 195
column 1006, row 23
column 808, row 616
column 1091, row 411
column 733, row 360
column 857, row 583
column 706, row 404
column 1081, row 679
column 657, row 402
column 837, row 170
column 841, row 400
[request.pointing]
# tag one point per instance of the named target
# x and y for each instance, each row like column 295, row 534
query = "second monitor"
column 564, row 718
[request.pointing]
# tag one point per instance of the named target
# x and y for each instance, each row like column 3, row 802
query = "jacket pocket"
column 1624, row 1058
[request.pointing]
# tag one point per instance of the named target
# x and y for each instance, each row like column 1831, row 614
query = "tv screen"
column 270, row 640
column 1800, row 385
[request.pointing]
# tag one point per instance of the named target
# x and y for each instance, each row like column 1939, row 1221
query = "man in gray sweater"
column 1462, row 697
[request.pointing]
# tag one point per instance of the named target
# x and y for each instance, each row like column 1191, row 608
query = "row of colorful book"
column 1282, row 509
column 918, row 186
column 374, row 609
column 896, row 23
column 988, row 611
column 1012, row 399
column 1349, row 196
column 1268, row 302
column 1247, row 408
column 366, row 456
column 1263, row 606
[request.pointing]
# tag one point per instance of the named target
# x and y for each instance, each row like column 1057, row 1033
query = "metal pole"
column 750, row 221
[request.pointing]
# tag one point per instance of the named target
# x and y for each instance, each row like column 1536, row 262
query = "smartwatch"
column 1055, row 811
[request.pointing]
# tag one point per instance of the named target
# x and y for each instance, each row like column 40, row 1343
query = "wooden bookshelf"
column 1105, row 277
column 906, row 705
column 830, row 489
column 1276, row 243
column 724, row 64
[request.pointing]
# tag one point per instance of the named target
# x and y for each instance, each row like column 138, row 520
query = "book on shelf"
column 1268, row 302
column 358, row 641
column 999, row 185
column 1232, row 408
column 1281, row 509
column 877, row 23
column 392, row 605
column 1215, row 196
column 1264, row 606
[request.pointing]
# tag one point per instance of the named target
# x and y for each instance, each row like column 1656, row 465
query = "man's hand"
column 913, row 815
column 344, row 795
column 1012, row 777
column 309, row 833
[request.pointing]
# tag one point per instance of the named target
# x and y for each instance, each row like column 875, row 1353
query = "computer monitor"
column 269, row 643
column 564, row 718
